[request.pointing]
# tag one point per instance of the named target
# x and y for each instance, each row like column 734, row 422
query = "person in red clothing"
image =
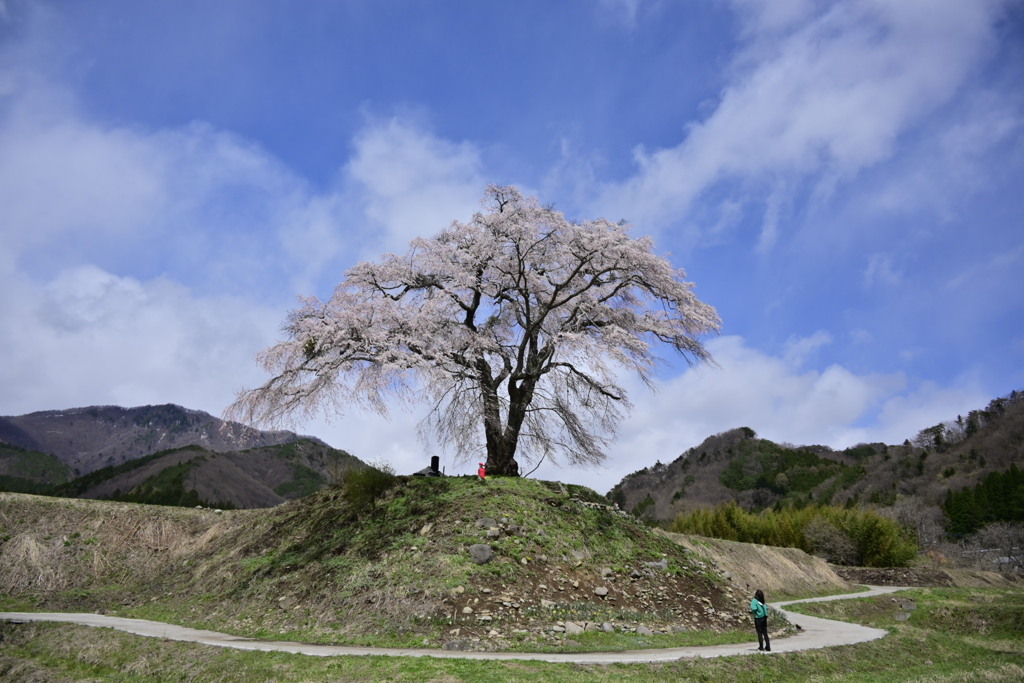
column 482, row 472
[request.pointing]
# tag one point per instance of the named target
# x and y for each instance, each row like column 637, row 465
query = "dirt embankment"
column 923, row 576
column 779, row 572
column 790, row 572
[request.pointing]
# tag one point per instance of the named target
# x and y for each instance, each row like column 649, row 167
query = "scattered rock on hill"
column 895, row 576
column 481, row 553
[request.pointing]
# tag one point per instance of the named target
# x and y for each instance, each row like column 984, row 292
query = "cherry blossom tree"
column 515, row 327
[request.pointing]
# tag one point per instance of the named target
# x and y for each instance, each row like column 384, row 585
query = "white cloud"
column 59, row 176
column 316, row 239
column 143, row 201
column 799, row 349
column 89, row 337
column 97, row 218
column 881, row 272
column 410, row 183
column 775, row 397
column 771, row 18
column 903, row 415
column 952, row 161
column 823, row 91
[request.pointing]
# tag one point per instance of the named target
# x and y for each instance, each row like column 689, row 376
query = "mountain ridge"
column 737, row 465
column 92, row 437
column 164, row 454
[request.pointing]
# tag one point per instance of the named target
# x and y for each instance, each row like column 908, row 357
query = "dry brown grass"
column 54, row 544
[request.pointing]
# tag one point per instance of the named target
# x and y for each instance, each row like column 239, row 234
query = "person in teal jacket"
column 760, row 611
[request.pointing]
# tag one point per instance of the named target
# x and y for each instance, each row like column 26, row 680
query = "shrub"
column 829, row 542
column 361, row 488
column 853, row 536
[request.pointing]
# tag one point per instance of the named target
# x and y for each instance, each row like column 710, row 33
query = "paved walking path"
column 815, row 633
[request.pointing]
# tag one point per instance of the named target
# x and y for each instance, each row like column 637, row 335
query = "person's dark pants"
column 761, row 624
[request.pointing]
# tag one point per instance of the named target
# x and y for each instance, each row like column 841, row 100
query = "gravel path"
column 815, row 633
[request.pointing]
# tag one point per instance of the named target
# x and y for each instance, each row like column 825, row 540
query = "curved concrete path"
column 815, row 633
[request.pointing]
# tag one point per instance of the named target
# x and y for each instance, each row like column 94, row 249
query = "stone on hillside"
column 481, row 553
column 661, row 564
column 644, row 631
column 572, row 628
column 493, row 533
column 486, row 523
column 607, row 627
column 606, row 572
column 906, row 604
column 600, row 591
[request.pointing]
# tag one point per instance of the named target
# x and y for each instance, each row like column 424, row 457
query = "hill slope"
column 399, row 568
column 255, row 478
column 163, row 455
column 87, row 439
column 758, row 473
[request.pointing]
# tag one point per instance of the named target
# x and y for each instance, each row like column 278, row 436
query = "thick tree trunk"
column 501, row 462
column 500, row 451
column 505, row 439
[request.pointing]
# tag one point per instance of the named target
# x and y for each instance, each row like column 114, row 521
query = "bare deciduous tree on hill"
column 514, row 326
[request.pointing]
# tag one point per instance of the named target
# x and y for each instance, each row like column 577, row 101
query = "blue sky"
column 842, row 180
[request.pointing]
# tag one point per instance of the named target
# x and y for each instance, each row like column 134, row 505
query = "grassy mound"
column 384, row 561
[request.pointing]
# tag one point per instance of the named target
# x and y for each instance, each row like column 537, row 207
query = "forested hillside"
column 955, row 489
column 758, row 473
